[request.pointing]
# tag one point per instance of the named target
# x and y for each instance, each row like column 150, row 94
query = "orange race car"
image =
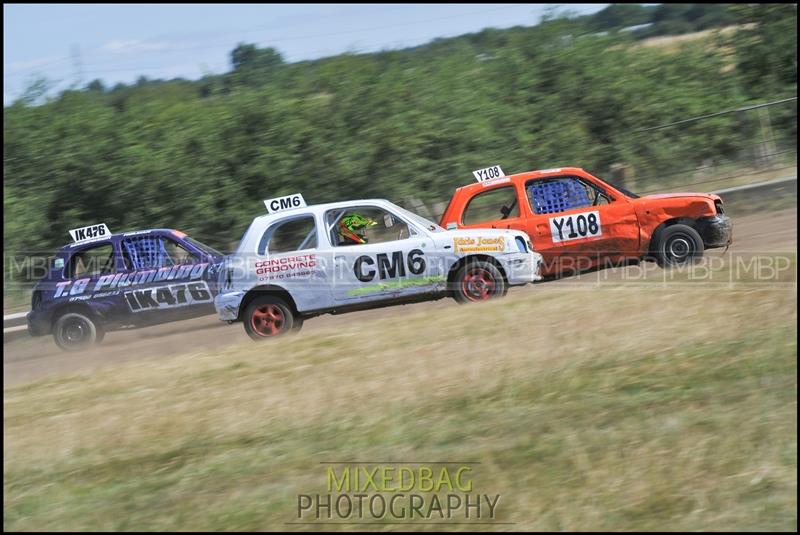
column 578, row 221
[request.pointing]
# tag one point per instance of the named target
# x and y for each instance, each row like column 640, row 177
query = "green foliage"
column 673, row 19
column 661, row 19
column 621, row 16
column 254, row 66
column 201, row 155
column 767, row 47
column 96, row 85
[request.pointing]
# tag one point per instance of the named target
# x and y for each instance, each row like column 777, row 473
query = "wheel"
column 74, row 331
column 267, row 317
column 678, row 245
column 478, row 281
column 297, row 323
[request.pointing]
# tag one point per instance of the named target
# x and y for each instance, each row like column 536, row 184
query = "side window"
column 492, row 205
column 601, row 199
column 149, row 252
column 551, row 196
column 361, row 225
column 596, row 197
column 287, row 236
column 179, row 254
column 91, row 262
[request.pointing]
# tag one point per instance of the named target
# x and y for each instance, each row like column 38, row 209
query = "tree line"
column 201, row 155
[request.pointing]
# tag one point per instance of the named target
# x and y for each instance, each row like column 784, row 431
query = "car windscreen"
column 203, row 247
column 623, row 190
column 419, row 220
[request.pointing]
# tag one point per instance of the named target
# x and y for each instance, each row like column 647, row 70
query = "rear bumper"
column 716, row 231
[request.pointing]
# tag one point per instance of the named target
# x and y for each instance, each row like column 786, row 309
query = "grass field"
column 601, row 408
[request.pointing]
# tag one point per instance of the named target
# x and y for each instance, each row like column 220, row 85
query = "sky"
column 77, row 43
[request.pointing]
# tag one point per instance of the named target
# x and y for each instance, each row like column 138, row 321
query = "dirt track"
column 28, row 359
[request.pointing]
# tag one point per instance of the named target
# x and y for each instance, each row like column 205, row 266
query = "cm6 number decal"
column 389, row 267
column 175, row 295
column 575, row 226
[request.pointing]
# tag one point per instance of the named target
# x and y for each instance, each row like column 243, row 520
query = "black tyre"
column 478, row 281
column 75, row 331
column 267, row 317
column 678, row 245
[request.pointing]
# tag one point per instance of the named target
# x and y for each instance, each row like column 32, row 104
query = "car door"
column 575, row 224
column 206, row 255
column 388, row 258
column 498, row 207
column 197, row 272
column 288, row 255
column 167, row 280
column 86, row 273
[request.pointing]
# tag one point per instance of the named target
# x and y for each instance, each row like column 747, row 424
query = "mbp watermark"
column 398, row 492
column 732, row 269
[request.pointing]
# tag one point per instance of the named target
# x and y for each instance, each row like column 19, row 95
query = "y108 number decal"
column 176, row 295
column 575, row 226
column 482, row 175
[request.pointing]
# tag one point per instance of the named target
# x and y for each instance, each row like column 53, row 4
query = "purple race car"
column 105, row 282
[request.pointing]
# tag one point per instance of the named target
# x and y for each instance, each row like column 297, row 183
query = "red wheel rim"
column 268, row 320
column 478, row 284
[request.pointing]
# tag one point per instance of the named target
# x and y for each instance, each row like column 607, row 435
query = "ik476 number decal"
column 176, row 295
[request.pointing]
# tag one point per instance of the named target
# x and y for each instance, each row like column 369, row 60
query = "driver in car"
column 353, row 229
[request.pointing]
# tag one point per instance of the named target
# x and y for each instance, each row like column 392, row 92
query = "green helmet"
column 352, row 228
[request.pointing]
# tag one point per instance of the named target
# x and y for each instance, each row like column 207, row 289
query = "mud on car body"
column 576, row 220
column 301, row 261
column 105, row 281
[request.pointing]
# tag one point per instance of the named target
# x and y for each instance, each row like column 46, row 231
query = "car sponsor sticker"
column 482, row 175
column 479, row 245
column 575, row 226
column 494, row 181
column 285, row 203
column 286, row 267
column 137, row 233
column 92, row 232
column 129, row 279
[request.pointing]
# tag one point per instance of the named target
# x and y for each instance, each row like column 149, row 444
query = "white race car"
column 301, row 261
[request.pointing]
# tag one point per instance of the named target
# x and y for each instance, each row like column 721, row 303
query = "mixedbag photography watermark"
column 398, row 492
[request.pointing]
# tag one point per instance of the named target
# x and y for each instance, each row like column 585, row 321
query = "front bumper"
column 38, row 323
column 521, row 268
column 716, row 231
column 227, row 305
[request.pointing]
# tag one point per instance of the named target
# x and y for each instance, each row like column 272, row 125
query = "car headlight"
column 521, row 244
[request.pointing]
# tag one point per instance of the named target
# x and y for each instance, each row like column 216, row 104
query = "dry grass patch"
column 610, row 408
